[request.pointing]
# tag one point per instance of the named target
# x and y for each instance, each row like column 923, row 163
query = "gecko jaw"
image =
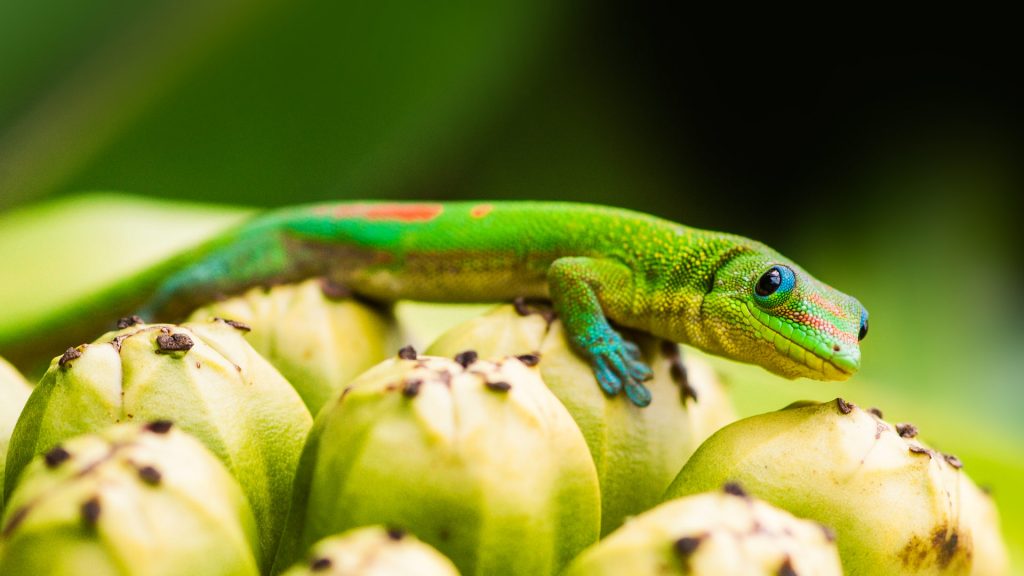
column 823, row 361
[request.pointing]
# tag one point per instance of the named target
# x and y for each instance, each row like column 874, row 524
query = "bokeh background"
column 886, row 161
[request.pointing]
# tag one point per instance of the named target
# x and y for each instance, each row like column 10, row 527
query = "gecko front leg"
column 583, row 290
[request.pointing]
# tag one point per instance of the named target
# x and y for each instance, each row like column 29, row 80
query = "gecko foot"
column 618, row 365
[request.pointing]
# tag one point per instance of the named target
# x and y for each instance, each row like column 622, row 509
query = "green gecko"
column 718, row 292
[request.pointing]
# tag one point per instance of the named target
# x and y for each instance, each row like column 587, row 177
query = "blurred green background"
column 887, row 163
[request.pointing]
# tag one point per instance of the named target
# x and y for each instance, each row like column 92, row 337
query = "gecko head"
column 764, row 309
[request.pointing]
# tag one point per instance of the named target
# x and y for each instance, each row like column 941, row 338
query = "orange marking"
column 826, row 304
column 396, row 212
column 481, row 210
column 827, row 327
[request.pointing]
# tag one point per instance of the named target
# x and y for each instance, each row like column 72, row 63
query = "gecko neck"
column 670, row 289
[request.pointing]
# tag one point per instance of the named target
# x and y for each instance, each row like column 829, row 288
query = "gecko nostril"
column 835, row 347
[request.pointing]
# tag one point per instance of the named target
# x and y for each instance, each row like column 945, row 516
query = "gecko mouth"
column 823, row 360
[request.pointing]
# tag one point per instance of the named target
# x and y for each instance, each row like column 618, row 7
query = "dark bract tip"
column 159, row 426
column 465, row 359
column 735, row 489
column 129, row 321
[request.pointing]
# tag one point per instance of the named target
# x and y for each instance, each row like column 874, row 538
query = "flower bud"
column 476, row 458
column 637, row 451
column 721, row 533
column 202, row 376
column 132, row 499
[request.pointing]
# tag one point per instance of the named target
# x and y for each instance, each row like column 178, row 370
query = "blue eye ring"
column 774, row 286
column 863, row 325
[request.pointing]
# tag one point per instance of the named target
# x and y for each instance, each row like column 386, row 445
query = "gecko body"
column 722, row 293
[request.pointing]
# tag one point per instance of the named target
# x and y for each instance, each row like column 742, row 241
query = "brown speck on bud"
column 686, row 546
column 56, row 456
column 118, row 340
column 906, row 430
column 498, row 386
column 91, row 511
column 234, row 324
column 678, row 373
column 407, row 353
column 465, row 359
column 670, row 349
column 876, row 412
column 920, row 450
column 688, row 392
column 830, row 534
column 320, row 564
column 396, row 534
column 333, row 290
column 953, row 461
column 735, row 489
column 519, row 304
column 844, row 406
column 159, row 426
column 530, row 360
column 411, row 388
column 445, row 377
column 787, row 568
column 69, row 355
column 170, row 343
column 150, row 475
column 15, row 520
column 129, row 321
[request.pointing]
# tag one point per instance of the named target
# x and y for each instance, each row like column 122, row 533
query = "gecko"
column 600, row 267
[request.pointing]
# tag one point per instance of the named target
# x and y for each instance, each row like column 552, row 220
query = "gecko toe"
column 610, row 383
column 632, row 350
column 640, row 372
column 638, row 394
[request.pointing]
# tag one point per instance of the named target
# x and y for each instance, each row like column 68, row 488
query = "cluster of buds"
column 494, row 453
column 202, row 376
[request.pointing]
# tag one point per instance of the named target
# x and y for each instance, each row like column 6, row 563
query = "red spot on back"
column 393, row 212
column 481, row 210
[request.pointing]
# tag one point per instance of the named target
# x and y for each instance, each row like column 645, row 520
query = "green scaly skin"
column 594, row 263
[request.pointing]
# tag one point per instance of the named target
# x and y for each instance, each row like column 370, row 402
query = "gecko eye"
column 769, row 282
column 774, row 285
column 863, row 325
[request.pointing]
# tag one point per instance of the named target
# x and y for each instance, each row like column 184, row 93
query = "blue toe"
column 638, row 394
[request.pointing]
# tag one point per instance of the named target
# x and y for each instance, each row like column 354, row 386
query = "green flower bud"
column 725, row 533
column 894, row 503
column 317, row 343
column 205, row 378
column 476, row 458
column 14, row 391
column 637, row 451
column 373, row 551
column 133, row 499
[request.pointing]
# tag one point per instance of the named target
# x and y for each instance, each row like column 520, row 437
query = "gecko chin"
column 801, row 352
